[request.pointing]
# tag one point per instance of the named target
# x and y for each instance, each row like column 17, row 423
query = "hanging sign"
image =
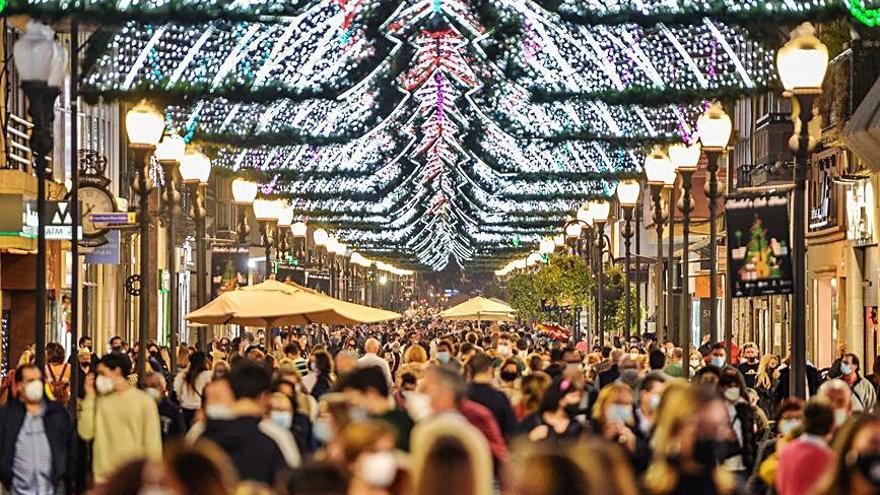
column 107, row 253
column 229, row 268
column 759, row 256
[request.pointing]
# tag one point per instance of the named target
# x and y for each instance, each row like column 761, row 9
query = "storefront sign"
column 759, row 257
column 107, row 253
column 860, row 212
column 229, row 268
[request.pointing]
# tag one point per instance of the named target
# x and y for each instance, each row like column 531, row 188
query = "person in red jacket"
column 804, row 462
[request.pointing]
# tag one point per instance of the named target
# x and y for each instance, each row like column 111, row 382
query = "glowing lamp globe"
column 264, row 210
column 144, row 125
column 320, row 236
column 285, row 214
column 547, row 246
column 600, row 210
column 714, row 128
column 573, row 230
column 803, row 61
column 299, row 229
column 171, row 148
column 195, row 167
column 684, row 157
column 559, row 240
column 628, row 192
column 584, row 215
column 30, row 52
column 244, row 191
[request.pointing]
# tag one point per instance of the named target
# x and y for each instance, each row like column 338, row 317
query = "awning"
column 862, row 132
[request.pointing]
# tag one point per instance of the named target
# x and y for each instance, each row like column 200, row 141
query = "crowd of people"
column 423, row 406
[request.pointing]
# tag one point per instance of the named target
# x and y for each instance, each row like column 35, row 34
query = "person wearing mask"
column 481, row 390
column 789, row 423
column 689, row 439
column 170, row 417
column 320, row 379
column 189, row 385
column 446, row 355
column 743, row 447
column 367, row 393
column 809, row 450
column 856, row 468
column 259, row 448
column 294, row 352
column 371, row 358
column 37, row 440
column 555, row 421
column 696, row 363
column 650, row 392
column 368, row 457
column 300, row 403
column 840, row 395
column 613, row 372
column 718, row 359
column 864, row 397
column 509, row 380
column 783, row 381
column 750, row 364
column 765, row 382
column 673, row 367
column 120, row 420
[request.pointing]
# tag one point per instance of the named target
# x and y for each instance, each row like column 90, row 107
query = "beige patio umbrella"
column 480, row 309
column 276, row 304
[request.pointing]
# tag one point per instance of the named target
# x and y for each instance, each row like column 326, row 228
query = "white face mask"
column 322, row 431
column 104, row 384
column 787, row 426
column 33, row 391
column 840, row 417
column 419, row 406
column 378, row 469
column 154, row 393
column 732, row 394
column 718, row 361
column 620, row 412
column 283, row 419
column 845, row 368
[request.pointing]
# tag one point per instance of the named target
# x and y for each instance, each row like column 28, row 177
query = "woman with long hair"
column 555, row 421
column 691, row 431
column 857, row 468
column 190, row 383
column 57, row 372
column 320, row 375
column 766, row 382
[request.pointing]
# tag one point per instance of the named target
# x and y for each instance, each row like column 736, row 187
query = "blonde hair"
column 680, row 403
column 359, row 436
column 415, row 354
column 428, row 436
column 764, row 379
column 606, row 396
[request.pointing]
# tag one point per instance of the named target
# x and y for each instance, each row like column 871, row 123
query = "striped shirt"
column 32, row 464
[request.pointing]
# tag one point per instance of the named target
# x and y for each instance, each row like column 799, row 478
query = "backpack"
column 60, row 388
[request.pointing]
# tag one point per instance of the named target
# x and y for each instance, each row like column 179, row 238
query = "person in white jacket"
column 864, row 397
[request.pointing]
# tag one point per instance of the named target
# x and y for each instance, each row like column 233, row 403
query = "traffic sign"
column 112, row 218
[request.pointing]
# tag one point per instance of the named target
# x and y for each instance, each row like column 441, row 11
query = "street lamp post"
column 802, row 64
column 243, row 194
column 266, row 211
column 659, row 172
column 170, row 152
column 285, row 219
column 599, row 211
column 714, row 128
column 320, row 238
column 686, row 159
column 628, row 194
column 41, row 78
column 144, row 125
column 299, row 230
column 195, row 169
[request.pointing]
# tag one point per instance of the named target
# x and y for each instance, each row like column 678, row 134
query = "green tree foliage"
column 565, row 280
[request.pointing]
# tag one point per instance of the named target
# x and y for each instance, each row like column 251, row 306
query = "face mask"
column 443, row 357
column 707, row 452
column 322, row 431
column 572, row 410
column 313, row 367
column 104, row 384
column 695, row 363
column 358, row 414
column 654, row 402
column 752, row 359
column 33, row 391
column 85, row 364
column 620, row 413
column 218, row 411
column 504, row 350
column 508, row 376
column 840, row 417
column 419, row 406
column 869, row 466
column 718, row 361
column 845, row 368
column 116, row 349
column 154, row 393
column 378, row 469
column 732, row 394
column 786, row 426
column 283, row 419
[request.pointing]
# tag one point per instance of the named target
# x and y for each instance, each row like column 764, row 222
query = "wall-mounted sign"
column 759, row 257
column 229, row 268
column 860, row 212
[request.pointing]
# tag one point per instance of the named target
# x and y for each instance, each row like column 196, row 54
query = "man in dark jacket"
column 258, row 447
column 481, row 390
column 37, row 439
column 613, row 372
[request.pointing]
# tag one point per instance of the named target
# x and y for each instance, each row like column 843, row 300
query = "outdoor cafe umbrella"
column 480, row 309
column 276, row 304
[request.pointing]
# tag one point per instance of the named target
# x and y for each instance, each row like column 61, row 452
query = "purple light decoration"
column 713, row 60
column 529, row 44
column 269, row 187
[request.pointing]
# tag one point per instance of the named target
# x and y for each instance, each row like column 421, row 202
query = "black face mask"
column 154, row 353
column 116, row 349
column 707, row 452
column 572, row 410
column 869, row 466
column 508, row 376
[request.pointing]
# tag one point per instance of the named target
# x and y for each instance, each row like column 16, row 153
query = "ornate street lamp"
column 144, row 125
column 299, row 230
column 285, row 219
column 628, row 193
column 686, row 160
column 243, row 194
column 660, row 173
column 714, row 128
column 802, row 64
column 195, row 169
column 267, row 212
column 170, row 152
column 41, row 63
column 599, row 211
